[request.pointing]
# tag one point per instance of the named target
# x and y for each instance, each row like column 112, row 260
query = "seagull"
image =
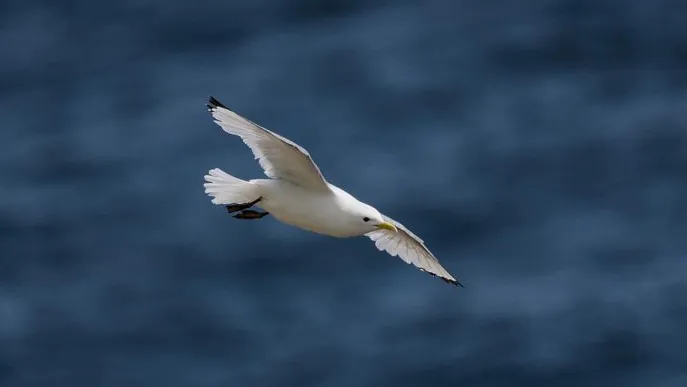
column 297, row 194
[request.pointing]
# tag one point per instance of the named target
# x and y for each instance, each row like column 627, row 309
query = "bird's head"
column 369, row 219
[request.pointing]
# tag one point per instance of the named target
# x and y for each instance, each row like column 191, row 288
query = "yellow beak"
column 387, row 226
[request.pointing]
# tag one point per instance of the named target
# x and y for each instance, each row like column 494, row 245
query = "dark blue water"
column 539, row 148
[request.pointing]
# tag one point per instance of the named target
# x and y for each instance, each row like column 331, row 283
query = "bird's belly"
column 307, row 224
column 303, row 209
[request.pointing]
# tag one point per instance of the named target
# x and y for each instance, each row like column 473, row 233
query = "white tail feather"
column 227, row 189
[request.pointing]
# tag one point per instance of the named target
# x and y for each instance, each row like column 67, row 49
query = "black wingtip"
column 452, row 282
column 448, row 281
column 213, row 103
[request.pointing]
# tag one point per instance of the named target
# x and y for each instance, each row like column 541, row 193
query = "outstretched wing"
column 279, row 157
column 411, row 249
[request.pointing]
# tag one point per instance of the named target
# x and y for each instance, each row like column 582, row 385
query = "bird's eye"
column 365, row 219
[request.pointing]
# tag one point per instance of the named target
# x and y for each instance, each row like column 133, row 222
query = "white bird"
column 297, row 194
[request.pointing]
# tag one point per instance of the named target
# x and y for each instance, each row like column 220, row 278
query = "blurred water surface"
column 539, row 148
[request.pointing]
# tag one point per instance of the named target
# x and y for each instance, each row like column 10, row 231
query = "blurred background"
column 539, row 148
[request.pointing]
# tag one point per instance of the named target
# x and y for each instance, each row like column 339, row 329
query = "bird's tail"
column 227, row 189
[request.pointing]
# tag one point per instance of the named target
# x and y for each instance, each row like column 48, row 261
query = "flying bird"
column 297, row 194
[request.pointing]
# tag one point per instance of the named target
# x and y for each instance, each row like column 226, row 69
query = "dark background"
column 539, row 148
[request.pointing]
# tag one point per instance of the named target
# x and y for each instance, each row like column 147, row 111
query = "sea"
column 538, row 147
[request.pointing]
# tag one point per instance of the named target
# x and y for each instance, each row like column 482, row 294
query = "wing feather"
column 411, row 249
column 278, row 156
